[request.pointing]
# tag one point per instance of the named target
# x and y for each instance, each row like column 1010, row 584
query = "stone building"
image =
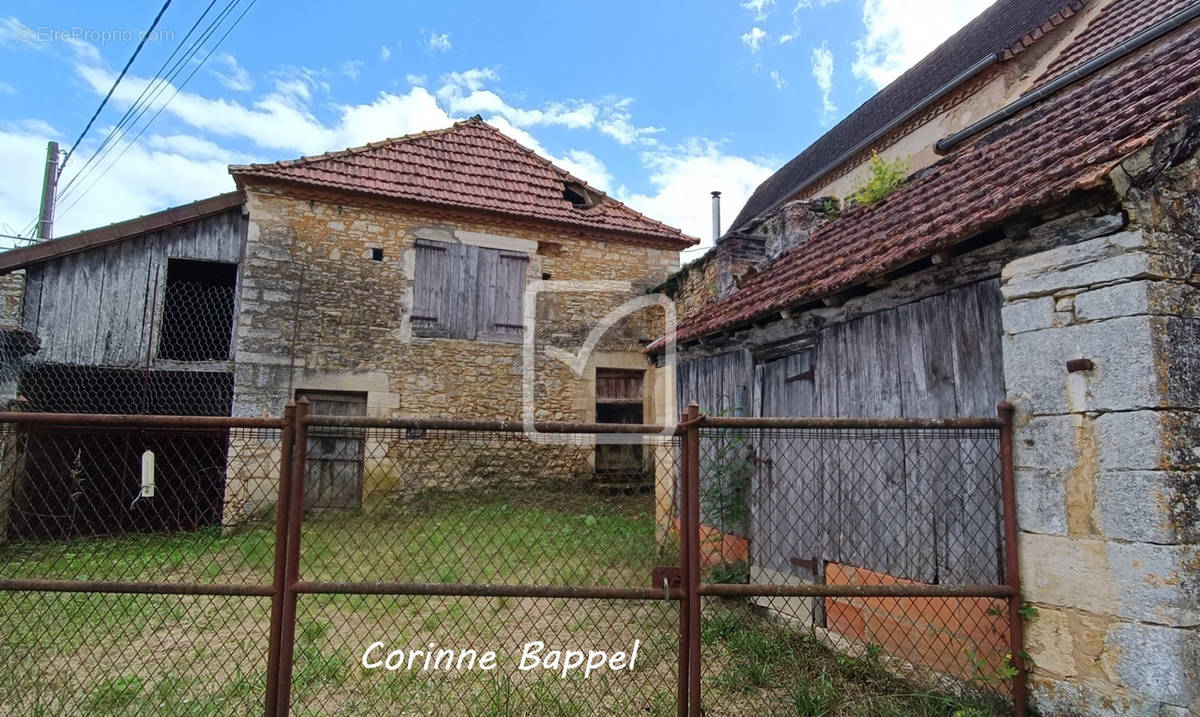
column 1045, row 249
column 389, row 279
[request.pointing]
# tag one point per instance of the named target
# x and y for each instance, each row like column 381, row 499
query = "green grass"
column 76, row 654
column 755, row 665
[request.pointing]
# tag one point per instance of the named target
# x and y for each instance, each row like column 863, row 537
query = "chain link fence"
column 126, row 586
column 343, row 565
column 468, row 542
column 803, row 519
column 160, row 346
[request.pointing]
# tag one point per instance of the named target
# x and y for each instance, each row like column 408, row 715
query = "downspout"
column 1091, row 66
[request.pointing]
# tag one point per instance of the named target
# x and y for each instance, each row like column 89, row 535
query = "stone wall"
column 12, row 299
column 1108, row 458
column 694, row 285
column 792, row 224
column 319, row 312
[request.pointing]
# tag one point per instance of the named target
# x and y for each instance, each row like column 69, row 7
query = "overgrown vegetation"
column 766, row 668
column 727, row 468
column 725, row 493
column 68, row 654
column 884, row 178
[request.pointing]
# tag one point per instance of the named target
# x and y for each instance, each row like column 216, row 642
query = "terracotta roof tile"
column 1067, row 143
column 999, row 30
column 470, row 165
column 1116, row 22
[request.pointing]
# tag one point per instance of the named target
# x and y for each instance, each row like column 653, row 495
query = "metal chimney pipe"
column 716, row 202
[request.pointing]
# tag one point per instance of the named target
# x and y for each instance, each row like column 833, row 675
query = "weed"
column 885, row 177
column 737, row 572
column 117, row 693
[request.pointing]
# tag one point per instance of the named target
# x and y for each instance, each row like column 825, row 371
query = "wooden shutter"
column 430, row 281
column 501, row 295
column 462, row 291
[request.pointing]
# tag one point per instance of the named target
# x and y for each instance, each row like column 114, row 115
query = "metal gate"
column 470, row 538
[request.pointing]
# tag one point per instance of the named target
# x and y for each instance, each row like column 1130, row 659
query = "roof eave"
column 680, row 241
column 102, row 236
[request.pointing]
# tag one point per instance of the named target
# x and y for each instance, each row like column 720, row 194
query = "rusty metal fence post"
column 685, row 532
column 1012, row 570
column 281, row 527
column 691, row 462
column 291, row 565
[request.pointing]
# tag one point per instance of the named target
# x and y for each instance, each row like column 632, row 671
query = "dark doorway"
column 334, row 475
column 197, row 315
column 621, row 467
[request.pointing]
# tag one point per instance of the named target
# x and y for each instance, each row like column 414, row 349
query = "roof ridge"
column 873, row 240
column 939, row 73
column 358, row 149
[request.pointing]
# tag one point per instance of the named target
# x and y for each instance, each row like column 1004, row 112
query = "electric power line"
column 137, row 105
column 178, row 88
column 112, row 89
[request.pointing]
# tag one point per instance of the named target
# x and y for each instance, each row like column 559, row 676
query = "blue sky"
column 656, row 103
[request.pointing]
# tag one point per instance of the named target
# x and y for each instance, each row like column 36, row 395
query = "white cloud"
column 777, row 77
column 439, row 42
column 683, row 178
column 390, row 115
column 901, row 32
column 754, row 38
column 466, row 93
column 7, row 89
column 351, row 68
column 760, row 8
column 822, row 70
column 282, row 120
column 414, row 79
column 230, row 74
column 617, row 123
column 195, row 147
column 23, row 146
column 787, row 37
column 384, row 53
column 297, row 114
column 154, row 173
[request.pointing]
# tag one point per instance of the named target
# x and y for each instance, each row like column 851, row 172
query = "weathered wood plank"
column 91, row 306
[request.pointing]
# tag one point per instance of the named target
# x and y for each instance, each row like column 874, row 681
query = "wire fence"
column 323, row 564
column 843, row 507
column 136, row 587
column 161, row 346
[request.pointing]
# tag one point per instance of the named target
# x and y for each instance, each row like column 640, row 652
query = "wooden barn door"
column 788, row 500
column 620, row 467
column 333, row 477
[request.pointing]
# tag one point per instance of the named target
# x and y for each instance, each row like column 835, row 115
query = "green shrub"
column 886, row 177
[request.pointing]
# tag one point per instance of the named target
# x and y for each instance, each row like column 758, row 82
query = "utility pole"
column 45, row 225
